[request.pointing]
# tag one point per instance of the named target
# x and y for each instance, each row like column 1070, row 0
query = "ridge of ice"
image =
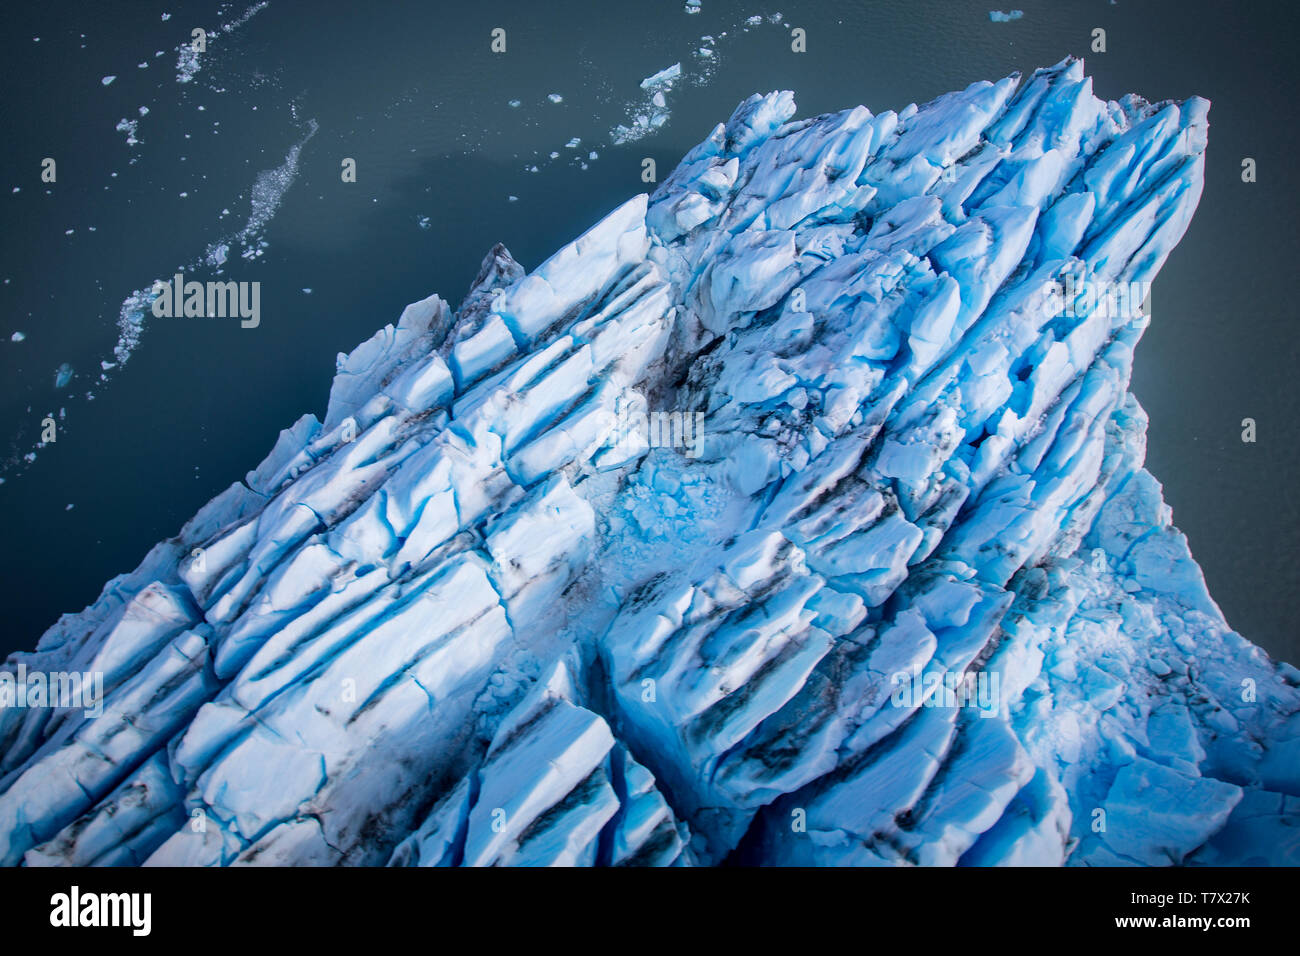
column 454, row 623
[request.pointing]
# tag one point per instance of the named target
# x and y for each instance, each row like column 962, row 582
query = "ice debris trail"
column 454, row 624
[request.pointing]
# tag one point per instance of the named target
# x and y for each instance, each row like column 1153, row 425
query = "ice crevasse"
column 472, row 618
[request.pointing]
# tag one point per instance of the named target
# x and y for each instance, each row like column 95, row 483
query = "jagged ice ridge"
column 454, row 624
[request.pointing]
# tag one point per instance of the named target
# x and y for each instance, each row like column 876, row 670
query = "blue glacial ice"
column 454, row 623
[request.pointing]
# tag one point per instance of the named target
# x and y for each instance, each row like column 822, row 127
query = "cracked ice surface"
column 453, row 623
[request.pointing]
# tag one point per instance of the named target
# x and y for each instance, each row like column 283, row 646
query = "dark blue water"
column 414, row 94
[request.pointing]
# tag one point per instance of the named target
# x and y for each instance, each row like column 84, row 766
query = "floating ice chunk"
column 216, row 255
column 664, row 77
column 129, row 127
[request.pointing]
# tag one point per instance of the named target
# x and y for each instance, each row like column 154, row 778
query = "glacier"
column 464, row 619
